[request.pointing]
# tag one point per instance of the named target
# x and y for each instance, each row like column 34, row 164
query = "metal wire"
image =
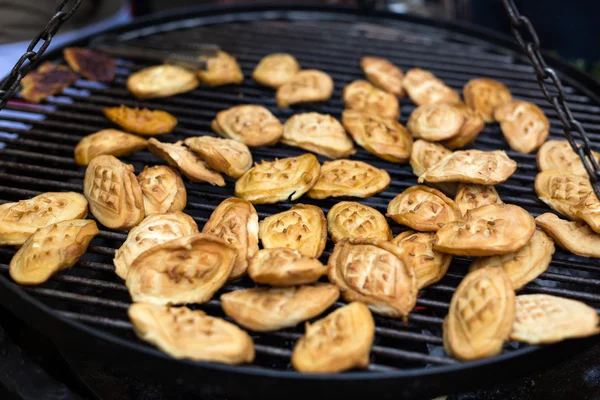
column 522, row 28
column 22, row 67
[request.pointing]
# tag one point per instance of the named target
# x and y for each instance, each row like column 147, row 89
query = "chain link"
column 31, row 57
column 553, row 91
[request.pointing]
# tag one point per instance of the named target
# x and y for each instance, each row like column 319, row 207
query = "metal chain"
column 548, row 79
column 31, row 57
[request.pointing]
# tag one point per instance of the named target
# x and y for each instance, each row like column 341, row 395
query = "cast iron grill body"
column 86, row 305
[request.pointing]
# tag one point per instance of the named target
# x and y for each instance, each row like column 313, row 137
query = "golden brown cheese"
column 142, row 121
column 523, row 124
column 187, row 162
column 114, row 193
column 20, row 220
column 51, row 249
column 362, row 96
column 270, row 309
column 184, row 333
column 386, row 138
column 189, row 269
column 559, row 155
column 275, row 69
column 480, row 316
column 374, row 272
column 303, row 227
column 349, row 178
column 436, row 122
column 524, row 265
column 162, row 189
column 429, row 265
column 470, row 129
column 472, row 166
column 236, row 221
column 470, row 196
column 107, row 141
column 152, row 231
column 423, row 208
column 309, row 85
column 426, row 154
column 340, row 341
column 424, row 88
column 250, row 124
column 350, row 219
column 280, row 180
column 383, row 74
column 541, row 318
column 281, row 266
column 161, row 81
column 319, row 133
column 484, row 95
column 485, row 231
column 574, row 236
column 221, row 70
column 562, row 191
column 230, row 157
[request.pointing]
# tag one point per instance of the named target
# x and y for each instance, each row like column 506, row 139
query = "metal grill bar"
column 114, row 323
column 38, row 144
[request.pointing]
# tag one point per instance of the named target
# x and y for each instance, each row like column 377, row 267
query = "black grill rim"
column 455, row 377
column 252, row 381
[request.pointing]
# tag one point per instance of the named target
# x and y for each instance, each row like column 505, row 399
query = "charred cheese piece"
column 47, row 80
column 91, row 64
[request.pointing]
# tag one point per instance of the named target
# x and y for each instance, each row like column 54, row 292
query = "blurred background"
column 568, row 29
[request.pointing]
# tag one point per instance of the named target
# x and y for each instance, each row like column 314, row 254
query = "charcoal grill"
column 84, row 308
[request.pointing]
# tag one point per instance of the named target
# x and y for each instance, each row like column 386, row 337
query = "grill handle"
column 547, row 78
column 186, row 60
column 157, row 52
